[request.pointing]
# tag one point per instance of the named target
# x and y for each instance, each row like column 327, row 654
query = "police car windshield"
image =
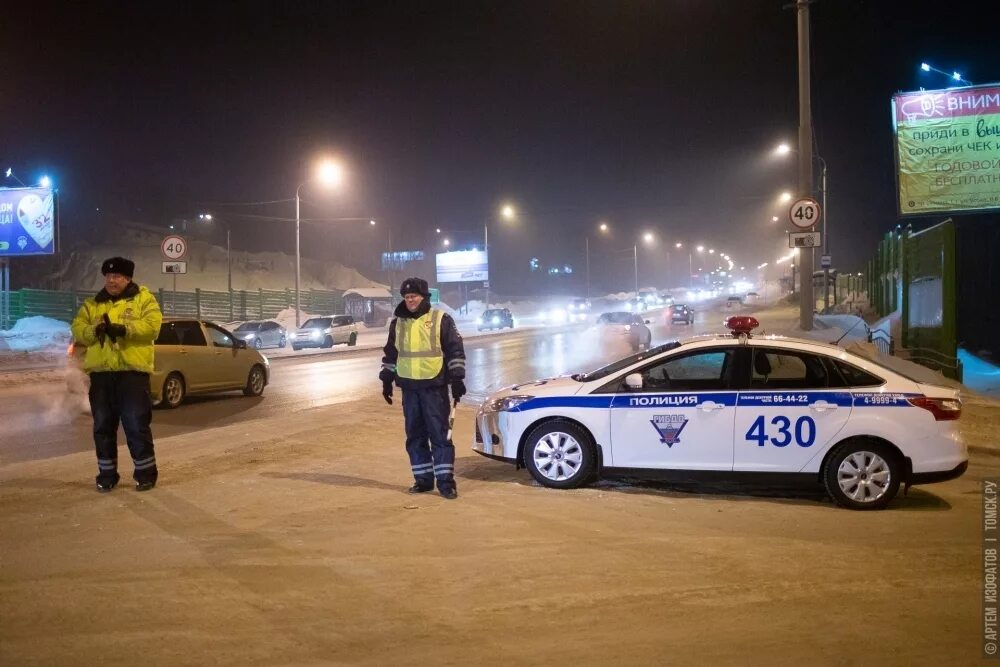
column 624, row 363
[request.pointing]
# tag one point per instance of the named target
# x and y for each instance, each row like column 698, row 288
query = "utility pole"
column 807, row 301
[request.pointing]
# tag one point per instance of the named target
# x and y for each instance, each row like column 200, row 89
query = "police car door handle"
column 709, row 406
column 820, row 406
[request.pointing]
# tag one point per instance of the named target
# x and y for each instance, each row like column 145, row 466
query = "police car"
column 733, row 406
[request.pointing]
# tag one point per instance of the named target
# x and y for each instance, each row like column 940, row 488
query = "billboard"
column 947, row 150
column 462, row 266
column 27, row 222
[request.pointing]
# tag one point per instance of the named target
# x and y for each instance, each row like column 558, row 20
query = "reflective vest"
column 418, row 342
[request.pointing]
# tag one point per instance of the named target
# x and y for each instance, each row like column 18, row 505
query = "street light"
column 329, row 174
column 647, row 238
column 207, row 217
column 603, row 228
column 507, row 212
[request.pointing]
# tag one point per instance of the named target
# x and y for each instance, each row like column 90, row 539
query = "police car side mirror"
column 633, row 381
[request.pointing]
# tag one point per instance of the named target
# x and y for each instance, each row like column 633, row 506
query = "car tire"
column 282, row 342
column 327, row 342
column 174, row 390
column 296, row 348
column 257, row 344
column 862, row 474
column 256, row 381
column 353, row 340
column 560, row 455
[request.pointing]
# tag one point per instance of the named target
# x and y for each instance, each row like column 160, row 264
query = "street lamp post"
column 207, row 217
column 507, row 212
column 330, row 174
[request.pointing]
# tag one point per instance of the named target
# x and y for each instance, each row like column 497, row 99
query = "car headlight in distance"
column 315, row 333
column 506, row 403
column 479, row 320
column 495, row 320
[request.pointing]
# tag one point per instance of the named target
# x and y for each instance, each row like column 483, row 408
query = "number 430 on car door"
column 782, row 431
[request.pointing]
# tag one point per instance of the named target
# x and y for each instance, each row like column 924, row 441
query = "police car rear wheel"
column 862, row 475
column 560, row 455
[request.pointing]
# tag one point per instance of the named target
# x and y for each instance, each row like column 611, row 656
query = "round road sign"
column 804, row 213
column 174, row 247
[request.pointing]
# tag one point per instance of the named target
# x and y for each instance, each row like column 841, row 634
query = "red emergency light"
column 742, row 325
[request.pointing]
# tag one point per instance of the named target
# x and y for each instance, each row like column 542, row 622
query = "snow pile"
column 36, row 333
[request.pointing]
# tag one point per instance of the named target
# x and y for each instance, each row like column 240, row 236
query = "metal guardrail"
column 882, row 340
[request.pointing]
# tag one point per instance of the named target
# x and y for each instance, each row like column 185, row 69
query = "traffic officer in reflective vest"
column 423, row 355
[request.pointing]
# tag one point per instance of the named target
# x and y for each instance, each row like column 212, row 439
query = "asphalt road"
column 40, row 421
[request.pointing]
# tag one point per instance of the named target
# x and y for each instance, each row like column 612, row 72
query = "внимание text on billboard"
column 948, row 150
column 27, row 222
column 462, row 266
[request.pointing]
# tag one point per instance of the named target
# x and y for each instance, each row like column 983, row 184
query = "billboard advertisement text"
column 462, row 266
column 948, row 150
column 27, row 222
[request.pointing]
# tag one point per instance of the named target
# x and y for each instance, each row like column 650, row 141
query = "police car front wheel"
column 862, row 475
column 560, row 455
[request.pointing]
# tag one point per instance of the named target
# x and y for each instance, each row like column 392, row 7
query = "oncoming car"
column 733, row 407
column 680, row 312
column 200, row 357
column 495, row 318
column 326, row 332
column 262, row 334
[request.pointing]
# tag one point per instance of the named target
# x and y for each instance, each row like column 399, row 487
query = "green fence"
column 237, row 305
column 915, row 273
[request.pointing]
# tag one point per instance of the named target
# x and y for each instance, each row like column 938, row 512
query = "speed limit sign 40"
column 174, row 247
column 804, row 213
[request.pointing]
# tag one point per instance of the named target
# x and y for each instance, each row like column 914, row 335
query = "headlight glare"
column 507, row 403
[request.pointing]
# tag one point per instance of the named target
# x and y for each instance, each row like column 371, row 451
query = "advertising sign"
column 948, row 150
column 27, row 222
column 462, row 266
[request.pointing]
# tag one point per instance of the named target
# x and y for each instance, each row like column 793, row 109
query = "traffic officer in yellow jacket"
column 118, row 327
column 423, row 355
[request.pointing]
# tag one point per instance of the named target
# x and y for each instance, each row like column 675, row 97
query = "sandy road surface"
column 292, row 541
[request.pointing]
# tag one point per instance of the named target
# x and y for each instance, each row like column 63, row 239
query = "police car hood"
column 555, row 386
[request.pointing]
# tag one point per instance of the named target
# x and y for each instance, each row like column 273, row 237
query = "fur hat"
column 120, row 265
column 415, row 286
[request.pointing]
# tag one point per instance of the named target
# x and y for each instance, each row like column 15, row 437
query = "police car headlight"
column 506, row 403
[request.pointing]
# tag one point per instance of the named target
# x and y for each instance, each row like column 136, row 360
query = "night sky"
column 655, row 116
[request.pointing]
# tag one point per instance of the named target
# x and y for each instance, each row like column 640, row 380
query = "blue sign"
column 27, row 222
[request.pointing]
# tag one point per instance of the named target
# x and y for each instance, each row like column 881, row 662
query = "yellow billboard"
column 948, row 150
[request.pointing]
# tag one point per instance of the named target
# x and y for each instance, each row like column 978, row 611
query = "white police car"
column 733, row 406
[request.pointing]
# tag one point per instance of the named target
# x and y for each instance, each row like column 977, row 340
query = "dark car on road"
column 681, row 314
column 495, row 318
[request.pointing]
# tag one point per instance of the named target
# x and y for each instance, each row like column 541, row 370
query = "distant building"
column 371, row 305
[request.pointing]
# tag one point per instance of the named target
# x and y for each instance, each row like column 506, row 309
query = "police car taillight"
column 943, row 409
column 742, row 325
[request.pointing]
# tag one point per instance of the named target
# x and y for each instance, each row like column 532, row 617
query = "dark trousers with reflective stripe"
column 426, row 413
column 122, row 397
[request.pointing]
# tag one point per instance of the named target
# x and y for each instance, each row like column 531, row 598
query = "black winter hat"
column 125, row 267
column 415, row 286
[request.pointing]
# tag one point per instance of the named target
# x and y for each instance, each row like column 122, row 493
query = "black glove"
column 101, row 332
column 116, row 331
column 457, row 390
column 385, row 375
column 387, row 392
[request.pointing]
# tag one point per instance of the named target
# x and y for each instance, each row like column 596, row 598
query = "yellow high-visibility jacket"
column 138, row 310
